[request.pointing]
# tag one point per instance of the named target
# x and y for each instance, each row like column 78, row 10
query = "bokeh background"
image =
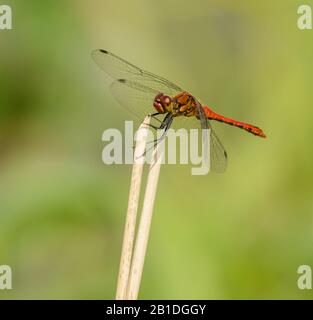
column 238, row 235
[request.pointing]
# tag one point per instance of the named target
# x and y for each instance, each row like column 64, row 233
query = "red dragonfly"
column 138, row 89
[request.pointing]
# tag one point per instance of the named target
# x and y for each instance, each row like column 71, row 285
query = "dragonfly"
column 139, row 90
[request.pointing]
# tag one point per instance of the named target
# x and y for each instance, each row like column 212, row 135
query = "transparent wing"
column 119, row 68
column 218, row 155
column 138, row 102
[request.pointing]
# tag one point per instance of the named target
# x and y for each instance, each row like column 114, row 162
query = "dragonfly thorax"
column 182, row 104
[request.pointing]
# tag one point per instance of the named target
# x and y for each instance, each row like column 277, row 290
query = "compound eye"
column 167, row 100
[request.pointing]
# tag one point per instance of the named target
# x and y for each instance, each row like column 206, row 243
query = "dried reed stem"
column 144, row 226
column 130, row 224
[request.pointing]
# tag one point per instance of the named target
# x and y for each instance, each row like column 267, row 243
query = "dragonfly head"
column 163, row 103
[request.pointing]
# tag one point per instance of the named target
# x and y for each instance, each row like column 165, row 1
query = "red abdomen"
column 248, row 127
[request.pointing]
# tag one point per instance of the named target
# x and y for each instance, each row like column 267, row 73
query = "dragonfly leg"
column 154, row 116
column 152, row 126
column 165, row 125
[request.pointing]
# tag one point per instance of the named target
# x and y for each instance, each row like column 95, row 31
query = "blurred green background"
column 238, row 235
